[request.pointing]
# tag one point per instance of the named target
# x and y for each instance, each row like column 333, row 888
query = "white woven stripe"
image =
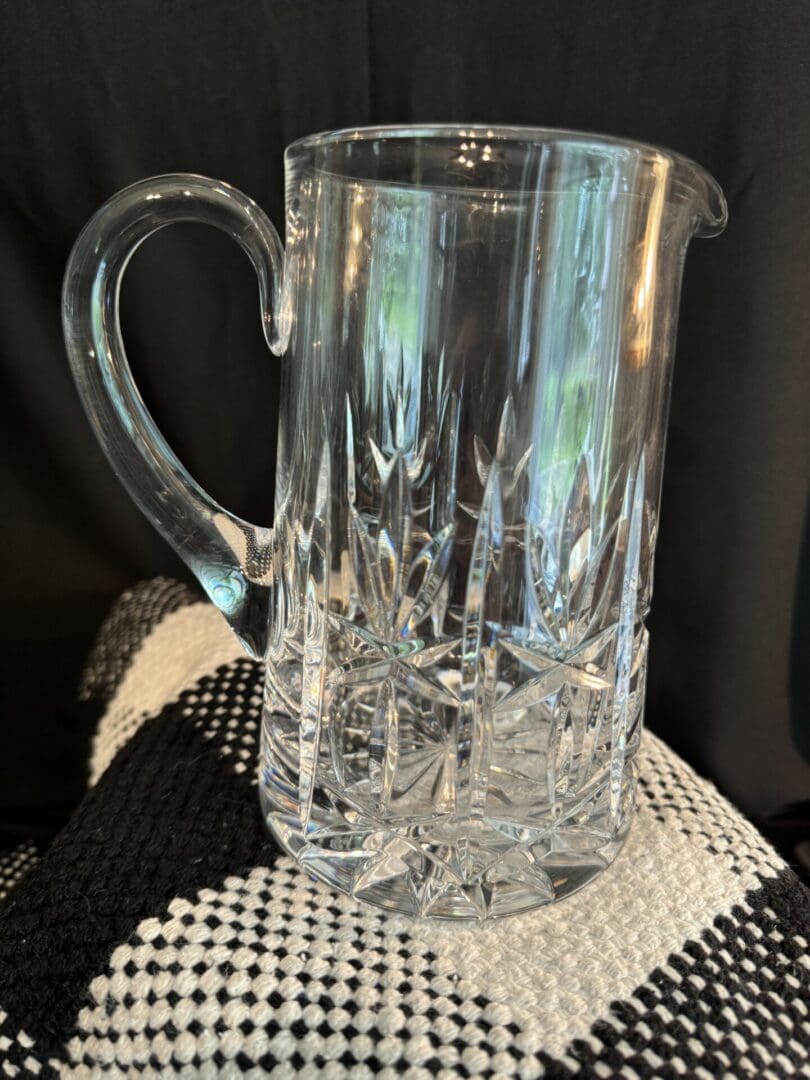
column 692, row 805
column 662, row 891
column 552, row 973
column 183, row 647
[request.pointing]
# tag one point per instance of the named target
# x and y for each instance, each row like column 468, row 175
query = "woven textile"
column 15, row 862
column 163, row 934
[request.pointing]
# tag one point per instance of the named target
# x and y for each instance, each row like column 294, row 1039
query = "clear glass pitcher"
column 477, row 327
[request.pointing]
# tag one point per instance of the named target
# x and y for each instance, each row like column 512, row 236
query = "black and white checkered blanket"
column 163, row 934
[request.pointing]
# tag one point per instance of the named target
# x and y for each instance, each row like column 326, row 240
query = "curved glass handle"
column 232, row 558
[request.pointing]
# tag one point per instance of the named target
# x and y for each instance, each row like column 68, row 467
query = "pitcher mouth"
column 688, row 180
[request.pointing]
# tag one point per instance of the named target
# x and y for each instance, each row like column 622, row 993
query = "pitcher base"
column 479, row 873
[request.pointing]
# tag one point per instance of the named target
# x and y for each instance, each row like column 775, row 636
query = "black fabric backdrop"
column 95, row 95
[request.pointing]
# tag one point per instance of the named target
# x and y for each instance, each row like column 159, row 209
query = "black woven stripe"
column 168, row 817
column 723, row 984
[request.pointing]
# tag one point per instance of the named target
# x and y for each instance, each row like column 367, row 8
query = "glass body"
column 477, row 328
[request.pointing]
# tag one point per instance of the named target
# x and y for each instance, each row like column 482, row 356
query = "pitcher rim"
column 687, row 172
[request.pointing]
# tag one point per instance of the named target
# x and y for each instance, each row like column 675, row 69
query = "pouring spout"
column 710, row 209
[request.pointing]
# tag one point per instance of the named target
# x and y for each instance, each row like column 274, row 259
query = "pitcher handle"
column 232, row 558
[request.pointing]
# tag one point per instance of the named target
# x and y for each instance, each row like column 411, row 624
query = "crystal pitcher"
column 477, row 329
